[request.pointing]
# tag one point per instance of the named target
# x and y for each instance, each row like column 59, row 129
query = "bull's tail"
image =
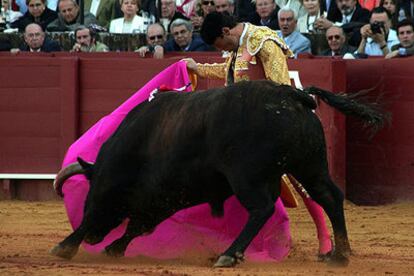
column 370, row 113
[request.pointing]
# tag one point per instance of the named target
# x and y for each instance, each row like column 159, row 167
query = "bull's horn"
column 65, row 173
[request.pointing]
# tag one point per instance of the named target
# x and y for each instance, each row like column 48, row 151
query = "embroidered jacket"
column 262, row 50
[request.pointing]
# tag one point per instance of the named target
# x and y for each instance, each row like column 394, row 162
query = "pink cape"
column 189, row 230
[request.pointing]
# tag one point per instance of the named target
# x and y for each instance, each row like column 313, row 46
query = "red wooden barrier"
column 46, row 101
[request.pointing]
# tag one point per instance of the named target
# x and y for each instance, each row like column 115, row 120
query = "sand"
column 381, row 237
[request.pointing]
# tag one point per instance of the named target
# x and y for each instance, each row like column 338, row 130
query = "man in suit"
column 183, row 38
column 353, row 17
column 265, row 14
column 36, row 41
column 68, row 17
column 297, row 42
column 103, row 10
column 337, row 43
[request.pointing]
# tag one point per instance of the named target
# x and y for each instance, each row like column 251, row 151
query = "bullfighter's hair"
column 213, row 25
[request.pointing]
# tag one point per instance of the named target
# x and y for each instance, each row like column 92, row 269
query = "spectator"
column 169, row 13
column 405, row 30
column 297, row 42
column 103, row 10
column 156, row 37
column 7, row 14
column 69, row 17
column 353, row 17
column 265, row 14
column 183, row 39
column 21, row 4
column 313, row 12
column 36, row 41
column 203, row 7
column 337, row 43
column 86, row 41
column 37, row 13
column 377, row 37
column 131, row 22
column 225, row 6
column 393, row 6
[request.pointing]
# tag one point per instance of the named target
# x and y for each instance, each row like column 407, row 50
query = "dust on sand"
column 381, row 238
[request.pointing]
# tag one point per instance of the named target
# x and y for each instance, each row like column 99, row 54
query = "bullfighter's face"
column 227, row 41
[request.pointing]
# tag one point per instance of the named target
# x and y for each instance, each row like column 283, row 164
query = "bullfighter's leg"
column 330, row 197
column 317, row 214
column 259, row 203
column 69, row 246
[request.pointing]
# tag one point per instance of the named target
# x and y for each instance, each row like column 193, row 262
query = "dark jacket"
column 352, row 29
column 47, row 16
column 273, row 24
column 410, row 50
column 197, row 44
column 48, row 46
column 334, row 14
column 345, row 49
column 60, row 25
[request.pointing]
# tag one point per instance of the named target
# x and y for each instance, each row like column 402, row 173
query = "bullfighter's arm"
column 274, row 62
column 211, row 71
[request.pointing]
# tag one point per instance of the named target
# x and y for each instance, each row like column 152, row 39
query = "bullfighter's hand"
column 191, row 64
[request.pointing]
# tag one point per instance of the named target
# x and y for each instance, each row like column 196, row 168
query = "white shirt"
column 373, row 49
column 94, row 6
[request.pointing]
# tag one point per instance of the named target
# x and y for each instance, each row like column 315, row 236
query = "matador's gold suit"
column 261, row 55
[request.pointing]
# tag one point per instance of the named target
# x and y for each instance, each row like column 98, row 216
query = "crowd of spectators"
column 356, row 28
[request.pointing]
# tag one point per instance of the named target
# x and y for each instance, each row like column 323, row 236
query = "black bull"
column 180, row 150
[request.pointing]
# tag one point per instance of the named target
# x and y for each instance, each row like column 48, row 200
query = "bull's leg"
column 330, row 197
column 316, row 212
column 70, row 245
column 118, row 247
column 260, row 204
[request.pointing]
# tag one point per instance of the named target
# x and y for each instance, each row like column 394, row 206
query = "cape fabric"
column 192, row 230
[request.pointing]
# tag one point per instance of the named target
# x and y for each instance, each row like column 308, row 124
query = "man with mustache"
column 353, row 18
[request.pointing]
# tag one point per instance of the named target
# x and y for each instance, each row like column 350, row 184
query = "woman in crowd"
column 393, row 6
column 37, row 13
column 313, row 12
column 131, row 22
column 203, row 7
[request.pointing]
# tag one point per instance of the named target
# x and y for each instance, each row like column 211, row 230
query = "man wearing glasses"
column 36, row 41
column 183, row 39
column 337, row 43
column 156, row 38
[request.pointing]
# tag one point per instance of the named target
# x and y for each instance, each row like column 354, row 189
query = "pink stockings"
column 316, row 212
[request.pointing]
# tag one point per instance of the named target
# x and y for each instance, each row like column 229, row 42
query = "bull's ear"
column 87, row 167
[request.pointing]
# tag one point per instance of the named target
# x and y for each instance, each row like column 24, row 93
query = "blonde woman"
column 131, row 22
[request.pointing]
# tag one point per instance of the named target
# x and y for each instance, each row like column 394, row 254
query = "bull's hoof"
column 229, row 261
column 338, row 260
column 66, row 252
column 113, row 251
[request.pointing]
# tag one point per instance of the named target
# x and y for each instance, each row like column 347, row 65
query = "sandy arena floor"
column 381, row 237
